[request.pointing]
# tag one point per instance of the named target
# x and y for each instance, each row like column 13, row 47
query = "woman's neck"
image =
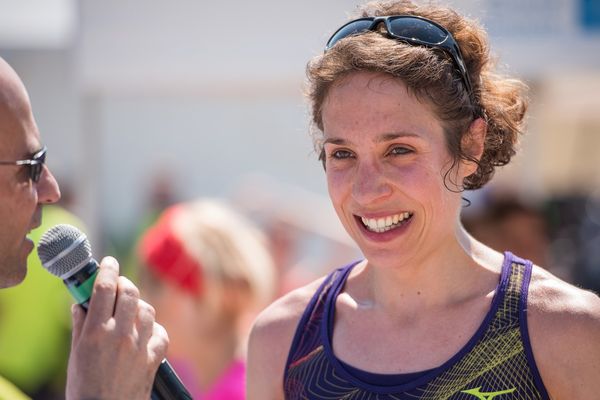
column 456, row 270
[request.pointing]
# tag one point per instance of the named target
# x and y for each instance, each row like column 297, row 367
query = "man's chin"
column 14, row 277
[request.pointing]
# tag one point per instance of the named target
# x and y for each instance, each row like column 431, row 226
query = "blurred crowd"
column 561, row 234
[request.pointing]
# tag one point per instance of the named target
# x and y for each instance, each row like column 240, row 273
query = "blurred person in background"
column 410, row 113
column 116, row 347
column 208, row 272
column 507, row 223
column 574, row 222
column 159, row 195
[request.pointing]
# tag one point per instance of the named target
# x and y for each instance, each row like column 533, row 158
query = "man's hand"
column 117, row 347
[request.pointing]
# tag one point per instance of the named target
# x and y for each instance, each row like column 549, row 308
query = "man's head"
column 21, row 198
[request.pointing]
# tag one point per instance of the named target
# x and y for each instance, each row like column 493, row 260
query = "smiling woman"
column 395, row 155
column 408, row 113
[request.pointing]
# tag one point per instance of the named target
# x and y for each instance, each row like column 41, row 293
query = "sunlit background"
column 144, row 103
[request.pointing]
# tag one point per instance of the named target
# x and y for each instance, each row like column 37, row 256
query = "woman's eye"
column 340, row 154
column 399, row 150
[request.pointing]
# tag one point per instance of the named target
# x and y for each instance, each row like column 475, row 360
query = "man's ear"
column 473, row 143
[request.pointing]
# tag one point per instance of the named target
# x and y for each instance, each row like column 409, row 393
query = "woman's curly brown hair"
column 430, row 74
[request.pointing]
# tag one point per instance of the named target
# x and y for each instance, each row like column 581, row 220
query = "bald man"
column 117, row 346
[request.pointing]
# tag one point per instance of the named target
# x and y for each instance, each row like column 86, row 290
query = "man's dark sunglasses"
column 416, row 31
column 35, row 164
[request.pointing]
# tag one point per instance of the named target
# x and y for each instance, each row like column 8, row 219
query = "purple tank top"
column 496, row 363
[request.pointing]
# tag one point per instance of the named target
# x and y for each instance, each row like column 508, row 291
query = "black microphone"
column 66, row 253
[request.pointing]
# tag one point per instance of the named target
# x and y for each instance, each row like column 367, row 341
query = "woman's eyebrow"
column 386, row 137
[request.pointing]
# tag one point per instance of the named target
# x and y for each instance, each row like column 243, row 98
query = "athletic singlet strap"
column 496, row 360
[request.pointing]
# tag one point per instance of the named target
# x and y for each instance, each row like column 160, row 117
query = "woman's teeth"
column 385, row 224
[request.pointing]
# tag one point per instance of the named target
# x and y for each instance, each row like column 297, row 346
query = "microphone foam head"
column 64, row 250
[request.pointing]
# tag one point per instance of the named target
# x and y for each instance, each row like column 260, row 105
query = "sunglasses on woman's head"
column 416, row 31
column 35, row 164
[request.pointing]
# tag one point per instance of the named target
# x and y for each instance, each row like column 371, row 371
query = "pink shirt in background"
column 230, row 386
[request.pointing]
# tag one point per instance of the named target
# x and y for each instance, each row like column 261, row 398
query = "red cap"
column 163, row 252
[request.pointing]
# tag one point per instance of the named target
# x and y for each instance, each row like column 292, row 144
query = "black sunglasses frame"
column 35, row 164
column 447, row 44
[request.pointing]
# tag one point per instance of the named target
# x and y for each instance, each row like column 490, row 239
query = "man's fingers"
column 159, row 343
column 145, row 321
column 104, row 294
column 126, row 307
column 78, row 317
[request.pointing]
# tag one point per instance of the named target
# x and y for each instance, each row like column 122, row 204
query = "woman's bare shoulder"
column 555, row 301
column 564, row 326
column 284, row 313
column 270, row 340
